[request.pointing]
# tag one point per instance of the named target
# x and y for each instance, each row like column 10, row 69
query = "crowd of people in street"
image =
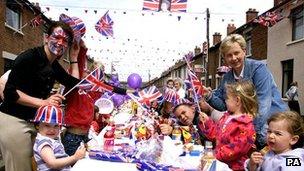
column 243, row 116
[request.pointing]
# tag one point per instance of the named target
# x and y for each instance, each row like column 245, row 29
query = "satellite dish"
column 105, row 106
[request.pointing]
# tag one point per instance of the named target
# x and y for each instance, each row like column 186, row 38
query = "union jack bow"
column 147, row 96
column 104, row 26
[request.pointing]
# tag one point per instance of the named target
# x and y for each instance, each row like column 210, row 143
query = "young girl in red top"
column 234, row 132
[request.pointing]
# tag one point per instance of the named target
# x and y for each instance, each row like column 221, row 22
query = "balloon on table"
column 117, row 100
column 134, row 81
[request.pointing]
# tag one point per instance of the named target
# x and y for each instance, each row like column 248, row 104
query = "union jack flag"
column 104, row 26
column 269, row 19
column 196, row 83
column 178, row 6
column 171, row 96
column 94, row 82
column 147, row 96
column 152, row 5
column 37, row 21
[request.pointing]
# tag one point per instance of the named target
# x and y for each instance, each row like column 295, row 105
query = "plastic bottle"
column 108, row 139
column 208, row 156
column 176, row 133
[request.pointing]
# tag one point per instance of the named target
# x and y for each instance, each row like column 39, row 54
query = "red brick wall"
column 15, row 42
column 259, row 42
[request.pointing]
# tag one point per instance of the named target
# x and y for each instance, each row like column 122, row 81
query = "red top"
column 79, row 110
column 95, row 126
column 234, row 136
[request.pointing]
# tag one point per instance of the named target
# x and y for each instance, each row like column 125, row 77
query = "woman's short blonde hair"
column 229, row 40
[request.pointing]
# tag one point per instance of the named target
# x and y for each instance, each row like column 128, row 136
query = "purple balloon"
column 117, row 100
column 117, row 84
column 114, row 77
column 134, row 81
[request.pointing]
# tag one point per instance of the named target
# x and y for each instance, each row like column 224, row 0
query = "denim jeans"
column 71, row 142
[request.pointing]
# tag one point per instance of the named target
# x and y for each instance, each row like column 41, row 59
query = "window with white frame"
column 248, row 44
column 13, row 17
column 297, row 23
column 287, row 74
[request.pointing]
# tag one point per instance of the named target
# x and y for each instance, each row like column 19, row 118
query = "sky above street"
column 145, row 41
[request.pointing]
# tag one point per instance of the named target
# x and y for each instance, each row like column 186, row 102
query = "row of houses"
column 280, row 46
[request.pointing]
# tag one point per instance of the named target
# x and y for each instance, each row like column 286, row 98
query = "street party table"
column 97, row 165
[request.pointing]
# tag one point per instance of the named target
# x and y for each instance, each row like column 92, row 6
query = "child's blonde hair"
column 246, row 91
column 295, row 125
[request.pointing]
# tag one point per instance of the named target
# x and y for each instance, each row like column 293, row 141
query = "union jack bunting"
column 196, row 83
column 94, row 82
column 147, row 96
column 178, row 6
column 37, row 21
column 152, row 5
column 269, row 19
column 104, row 26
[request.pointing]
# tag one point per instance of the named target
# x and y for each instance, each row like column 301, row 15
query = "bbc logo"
column 293, row 162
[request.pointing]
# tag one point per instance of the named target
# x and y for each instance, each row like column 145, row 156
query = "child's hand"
column 256, row 158
column 80, row 152
column 165, row 129
column 203, row 117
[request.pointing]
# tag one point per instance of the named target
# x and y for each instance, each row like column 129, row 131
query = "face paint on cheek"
column 58, row 42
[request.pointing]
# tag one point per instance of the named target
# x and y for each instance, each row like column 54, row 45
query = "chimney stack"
column 36, row 4
column 277, row 2
column 230, row 28
column 217, row 38
column 251, row 14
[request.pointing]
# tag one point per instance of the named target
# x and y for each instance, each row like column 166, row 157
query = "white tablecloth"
column 88, row 164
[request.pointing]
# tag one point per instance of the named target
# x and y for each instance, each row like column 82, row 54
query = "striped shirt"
column 42, row 141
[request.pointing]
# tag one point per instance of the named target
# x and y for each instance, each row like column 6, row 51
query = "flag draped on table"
column 104, row 26
column 178, row 6
column 146, row 96
column 152, row 5
column 269, row 19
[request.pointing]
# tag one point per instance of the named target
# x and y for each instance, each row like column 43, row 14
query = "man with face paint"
column 28, row 87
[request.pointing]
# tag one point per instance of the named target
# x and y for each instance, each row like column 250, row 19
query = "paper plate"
column 122, row 118
column 105, row 106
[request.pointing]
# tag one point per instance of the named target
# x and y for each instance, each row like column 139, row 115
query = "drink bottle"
column 108, row 139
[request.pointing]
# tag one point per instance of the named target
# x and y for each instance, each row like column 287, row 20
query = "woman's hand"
column 74, row 50
column 55, row 99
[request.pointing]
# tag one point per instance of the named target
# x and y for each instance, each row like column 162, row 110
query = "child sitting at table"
column 234, row 132
column 285, row 140
column 49, row 152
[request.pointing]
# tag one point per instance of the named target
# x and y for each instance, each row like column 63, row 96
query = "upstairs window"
column 13, row 16
column 297, row 23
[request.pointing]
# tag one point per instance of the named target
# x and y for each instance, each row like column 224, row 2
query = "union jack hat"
column 181, row 101
column 75, row 23
column 49, row 114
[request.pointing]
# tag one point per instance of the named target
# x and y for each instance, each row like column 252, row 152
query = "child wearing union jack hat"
column 49, row 152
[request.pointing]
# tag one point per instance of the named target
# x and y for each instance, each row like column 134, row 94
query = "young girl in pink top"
column 234, row 133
